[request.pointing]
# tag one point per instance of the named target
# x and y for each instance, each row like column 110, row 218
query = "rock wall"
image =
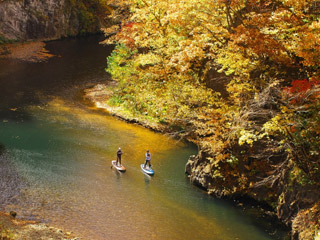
column 264, row 174
column 39, row 19
column 295, row 205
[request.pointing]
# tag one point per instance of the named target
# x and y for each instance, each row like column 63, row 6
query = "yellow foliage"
column 167, row 48
column 248, row 137
column 317, row 235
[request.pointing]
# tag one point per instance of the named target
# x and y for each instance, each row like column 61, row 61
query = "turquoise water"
column 58, row 157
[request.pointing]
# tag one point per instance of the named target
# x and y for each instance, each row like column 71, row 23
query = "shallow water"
column 56, row 166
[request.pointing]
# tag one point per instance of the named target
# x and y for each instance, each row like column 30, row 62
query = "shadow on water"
column 76, row 61
column 260, row 216
column 2, row 148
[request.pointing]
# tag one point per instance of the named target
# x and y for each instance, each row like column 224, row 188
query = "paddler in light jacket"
column 148, row 159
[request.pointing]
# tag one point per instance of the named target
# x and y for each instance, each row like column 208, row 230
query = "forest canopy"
column 172, row 57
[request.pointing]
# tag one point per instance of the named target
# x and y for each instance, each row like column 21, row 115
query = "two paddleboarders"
column 146, row 169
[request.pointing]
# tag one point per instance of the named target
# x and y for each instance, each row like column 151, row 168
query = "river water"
column 56, row 153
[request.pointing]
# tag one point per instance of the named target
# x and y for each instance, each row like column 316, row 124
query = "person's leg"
column 145, row 164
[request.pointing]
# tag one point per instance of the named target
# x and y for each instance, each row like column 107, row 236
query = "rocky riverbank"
column 12, row 228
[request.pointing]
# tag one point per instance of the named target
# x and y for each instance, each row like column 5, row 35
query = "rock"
column 13, row 214
column 4, row 50
column 301, row 228
column 189, row 165
column 207, row 169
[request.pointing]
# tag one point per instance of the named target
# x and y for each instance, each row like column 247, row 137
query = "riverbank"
column 12, row 228
column 100, row 95
column 34, row 51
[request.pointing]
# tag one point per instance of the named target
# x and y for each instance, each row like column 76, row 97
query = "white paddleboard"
column 119, row 168
column 147, row 170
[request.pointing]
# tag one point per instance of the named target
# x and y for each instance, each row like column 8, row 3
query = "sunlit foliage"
column 166, row 49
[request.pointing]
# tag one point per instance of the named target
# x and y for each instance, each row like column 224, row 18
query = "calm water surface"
column 56, row 162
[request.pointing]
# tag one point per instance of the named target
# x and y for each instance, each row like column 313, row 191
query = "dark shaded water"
column 56, row 163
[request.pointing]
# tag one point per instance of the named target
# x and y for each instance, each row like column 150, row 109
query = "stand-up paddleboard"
column 119, row 168
column 147, row 170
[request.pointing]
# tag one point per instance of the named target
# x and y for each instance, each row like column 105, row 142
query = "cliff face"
column 38, row 19
column 262, row 172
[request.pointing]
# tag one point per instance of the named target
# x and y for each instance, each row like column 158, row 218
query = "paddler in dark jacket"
column 119, row 153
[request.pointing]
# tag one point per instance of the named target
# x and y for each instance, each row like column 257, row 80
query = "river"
column 55, row 165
